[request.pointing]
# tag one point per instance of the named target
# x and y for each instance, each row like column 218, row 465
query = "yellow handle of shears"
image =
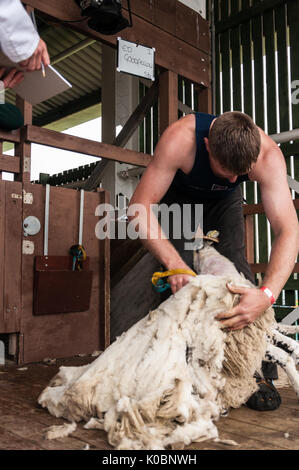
column 156, row 276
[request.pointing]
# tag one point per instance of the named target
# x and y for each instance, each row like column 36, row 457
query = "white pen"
column 43, row 69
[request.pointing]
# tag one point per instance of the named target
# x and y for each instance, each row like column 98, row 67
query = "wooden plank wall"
column 10, row 255
column 2, row 251
column 257, row 60
column 56, row 335
column 65, row 335
column 248, row 54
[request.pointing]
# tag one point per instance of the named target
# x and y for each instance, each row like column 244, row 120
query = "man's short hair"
column 235, row 141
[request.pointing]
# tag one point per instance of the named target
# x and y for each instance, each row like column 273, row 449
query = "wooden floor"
column 23, row 421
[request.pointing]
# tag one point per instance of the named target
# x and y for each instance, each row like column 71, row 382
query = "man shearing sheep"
column 202, row 159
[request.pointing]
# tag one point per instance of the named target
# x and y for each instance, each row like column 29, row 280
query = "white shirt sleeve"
column 18, row 37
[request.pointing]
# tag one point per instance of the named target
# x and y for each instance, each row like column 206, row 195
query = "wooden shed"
column 241, row 55
column 36, row 323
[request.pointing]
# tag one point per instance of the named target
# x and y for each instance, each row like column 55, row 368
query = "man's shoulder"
column 270, row 163
column 181, row 131
column 186, row 122
column 177, row 143
column 271, row 153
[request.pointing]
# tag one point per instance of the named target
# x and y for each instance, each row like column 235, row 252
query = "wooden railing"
column 8, row 163
column 34, row 134
column 39, row 135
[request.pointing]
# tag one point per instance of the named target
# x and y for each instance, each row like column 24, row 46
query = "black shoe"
column 266, row 398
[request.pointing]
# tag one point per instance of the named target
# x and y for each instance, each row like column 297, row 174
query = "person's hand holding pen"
column 39, row 59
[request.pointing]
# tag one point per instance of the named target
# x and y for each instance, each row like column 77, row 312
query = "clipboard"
column 35, row 88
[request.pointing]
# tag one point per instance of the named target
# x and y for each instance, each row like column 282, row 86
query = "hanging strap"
column 79, row 254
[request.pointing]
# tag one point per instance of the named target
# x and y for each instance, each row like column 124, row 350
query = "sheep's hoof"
column 266, row 398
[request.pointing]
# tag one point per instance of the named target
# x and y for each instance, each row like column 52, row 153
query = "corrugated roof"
column 83, row 69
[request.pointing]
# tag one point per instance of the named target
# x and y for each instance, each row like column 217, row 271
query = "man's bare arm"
column 282, row 216
column 280, row 211
column 172, row 149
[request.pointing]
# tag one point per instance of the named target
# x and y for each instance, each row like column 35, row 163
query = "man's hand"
column 252, row 304
column 12, row 78
column 40, row 55
column 177, row 281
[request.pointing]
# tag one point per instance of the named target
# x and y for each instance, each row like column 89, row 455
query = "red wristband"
column 269, row 294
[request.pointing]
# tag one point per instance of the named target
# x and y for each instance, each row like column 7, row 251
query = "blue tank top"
column 201, row 183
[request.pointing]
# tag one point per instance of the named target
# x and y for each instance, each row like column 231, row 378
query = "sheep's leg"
column 278, row 356
column 287, row 344
column 287, row 329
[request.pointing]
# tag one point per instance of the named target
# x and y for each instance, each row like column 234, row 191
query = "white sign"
column 136, row 59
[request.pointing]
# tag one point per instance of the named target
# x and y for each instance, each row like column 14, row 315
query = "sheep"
column 212, row 262
column 166, row 381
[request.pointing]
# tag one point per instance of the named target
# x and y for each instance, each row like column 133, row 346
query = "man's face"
column 221, row 172
column 217, row 169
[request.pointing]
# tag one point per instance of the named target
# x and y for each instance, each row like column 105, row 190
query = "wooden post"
column 249, row 238
column 168, row 94
column 1, row 152
column 104, row 282
column 23, row 149
column 205, row 100
column 108, row 94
